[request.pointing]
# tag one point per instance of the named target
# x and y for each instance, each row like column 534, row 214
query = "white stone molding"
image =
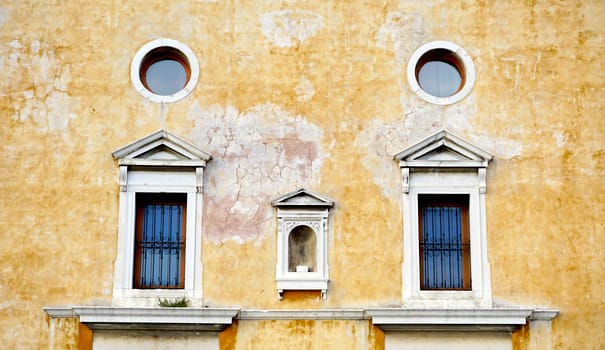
column 544, row 315
column 445, row 163
column 323, row 314
column 167, row 318
column 492, row 320
column 295, row 209
column 199, row 180
column 137, row 61
column 388, row 319
column 59, row 311
column 159, row 162
column 406, row 179
column 161, row 148
column 123, row 178
column 467, row 66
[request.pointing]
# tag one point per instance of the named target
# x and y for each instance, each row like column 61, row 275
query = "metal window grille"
column 444, row 247
column 160, row 246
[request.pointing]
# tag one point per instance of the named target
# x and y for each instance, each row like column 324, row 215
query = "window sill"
column 447, row 299
column 149, row 297
column 170, row 318
column 491, row 320
column 302, row 283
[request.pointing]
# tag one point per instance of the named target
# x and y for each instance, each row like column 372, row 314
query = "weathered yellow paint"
column 320, row 102
column 304, row 334
column 521, row 338
column 85, row 337
column 228, row 337
column 62, row 334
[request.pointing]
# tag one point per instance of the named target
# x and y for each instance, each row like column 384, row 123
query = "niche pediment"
column 302, row 198
column 162, row 148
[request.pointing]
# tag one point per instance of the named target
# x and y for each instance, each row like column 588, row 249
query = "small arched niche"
column 302, row 242
column 302, row 250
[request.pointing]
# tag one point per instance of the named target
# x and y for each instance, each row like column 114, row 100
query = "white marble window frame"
column 467, row 65
column 135, row 68
column 149, row 181
column 446, row 183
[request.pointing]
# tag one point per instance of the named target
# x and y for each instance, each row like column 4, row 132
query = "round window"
column 441, row 72
column 164, row 70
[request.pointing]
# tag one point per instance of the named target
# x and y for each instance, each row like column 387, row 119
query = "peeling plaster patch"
column 380, row 140
column 500, row 147
column 288, row 27
column 3, row 16
column 403, row 33
column 58, row 110
column 7, row 304
column 258, row 155
column 15, row 44
column 35, row 46
column 561, row 138
column 304, row 90
column 244, row 60
column 47, row 105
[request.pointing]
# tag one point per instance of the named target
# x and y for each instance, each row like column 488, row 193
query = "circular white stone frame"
column 135, row 68
column 467, row 65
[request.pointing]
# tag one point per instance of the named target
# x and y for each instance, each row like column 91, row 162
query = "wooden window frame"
column 447, row 200
column 159, row 198
column 445, row 56
column 164, row 53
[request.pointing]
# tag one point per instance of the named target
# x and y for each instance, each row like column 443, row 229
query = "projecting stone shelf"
column 492, row 320
column 105, row 317
column 387, row 319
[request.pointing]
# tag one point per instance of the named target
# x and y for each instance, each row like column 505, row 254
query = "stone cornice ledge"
column 543, row 315
column 105, row 317
column 59, row 311
column 498, row 320
column 325, row 314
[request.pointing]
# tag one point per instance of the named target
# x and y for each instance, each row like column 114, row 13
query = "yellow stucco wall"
column 302, row 334
column 323, row 85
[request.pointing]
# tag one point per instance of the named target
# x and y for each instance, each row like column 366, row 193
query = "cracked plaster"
column 288, row 28
column 258, row 155
column 3, row 16
column 379, row 139
column 45, row 102
column 304, row 90
column 402, row 33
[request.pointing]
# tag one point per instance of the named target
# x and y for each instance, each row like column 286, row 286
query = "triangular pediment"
column 162, row 148
column 443, row 153
column 444, row 149
column 162, row 153
column 302, row 198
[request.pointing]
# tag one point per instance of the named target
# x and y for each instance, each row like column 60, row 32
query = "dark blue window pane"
column 444, row 246
column 160, row 244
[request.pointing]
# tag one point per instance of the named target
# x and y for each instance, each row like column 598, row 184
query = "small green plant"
column 178, row 302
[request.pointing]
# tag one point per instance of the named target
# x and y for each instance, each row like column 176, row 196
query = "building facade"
column 218, row 174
